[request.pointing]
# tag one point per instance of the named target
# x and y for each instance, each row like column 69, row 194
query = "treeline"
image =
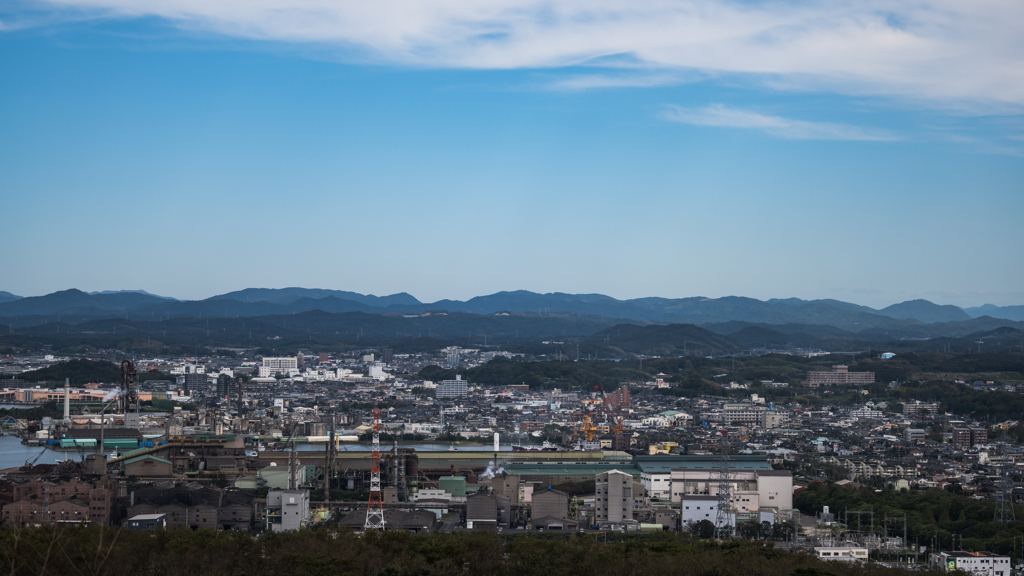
column 79, row 371
column 90, row 550
column 550, row 374
column 910, row 366
column 928, row 512
column 995, row 406
column 703, row 376
column 83, row 371
column 695, row 376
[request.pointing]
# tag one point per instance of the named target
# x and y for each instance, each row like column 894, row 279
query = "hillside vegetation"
column 90, row 550
column 79, row 371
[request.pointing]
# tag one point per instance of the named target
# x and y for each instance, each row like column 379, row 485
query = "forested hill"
column 670, row 340
column 78, row 371
column 329, row 551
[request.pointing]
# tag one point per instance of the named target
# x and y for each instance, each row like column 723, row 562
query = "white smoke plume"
column 490, row 472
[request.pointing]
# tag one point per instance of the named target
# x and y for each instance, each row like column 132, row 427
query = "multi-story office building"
column 226, row 386
column 966, row 437
column 918, row 408
column 194, row 382
column 613, row 500
column 453, row 356
column 273, row 366
column 914, row 434
column 839, row 376
column 619, row 400
column 751, row 415
column 452, row 389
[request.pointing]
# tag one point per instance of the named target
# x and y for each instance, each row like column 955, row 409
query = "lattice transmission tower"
column 1004, row 500
column 723, row 520
column 375, row 505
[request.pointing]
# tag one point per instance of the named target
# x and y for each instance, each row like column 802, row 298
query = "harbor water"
column 14, row 454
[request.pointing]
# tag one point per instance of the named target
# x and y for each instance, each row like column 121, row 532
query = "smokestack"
column 67, row 399
column 495, row 441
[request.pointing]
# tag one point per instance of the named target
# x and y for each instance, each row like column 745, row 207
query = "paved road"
column 449, row 524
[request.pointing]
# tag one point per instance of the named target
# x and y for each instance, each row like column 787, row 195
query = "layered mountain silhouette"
column 746, row 320
column 8, row 297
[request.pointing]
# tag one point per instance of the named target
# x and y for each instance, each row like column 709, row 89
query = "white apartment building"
column 752, row 415
column 452, row 388
column 376, row 372
column 274, row 366
column 656, row 422
column 866, row 412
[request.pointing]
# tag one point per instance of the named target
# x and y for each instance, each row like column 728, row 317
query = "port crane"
column 30, row 463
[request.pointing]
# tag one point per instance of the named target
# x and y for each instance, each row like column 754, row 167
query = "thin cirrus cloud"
column 725, row 117
column 943, row 52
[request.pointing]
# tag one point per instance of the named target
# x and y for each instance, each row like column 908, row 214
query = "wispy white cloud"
column 592, row 81
column 941, row 51
column 726, row 117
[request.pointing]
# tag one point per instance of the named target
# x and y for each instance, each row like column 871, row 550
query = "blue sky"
column 672, row 149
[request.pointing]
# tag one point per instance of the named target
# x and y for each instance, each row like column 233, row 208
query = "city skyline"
column 869, row 153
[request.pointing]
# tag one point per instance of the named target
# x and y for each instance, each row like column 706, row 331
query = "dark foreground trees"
column 69, row 550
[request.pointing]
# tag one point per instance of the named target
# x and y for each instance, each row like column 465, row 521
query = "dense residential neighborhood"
column 231, row 442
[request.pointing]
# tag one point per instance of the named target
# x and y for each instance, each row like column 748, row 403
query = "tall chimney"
column 67, row 399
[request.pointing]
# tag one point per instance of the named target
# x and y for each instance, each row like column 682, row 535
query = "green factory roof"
column 566, row 469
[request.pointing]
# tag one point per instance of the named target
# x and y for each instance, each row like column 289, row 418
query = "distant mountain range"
column 750, row 320
column 1007, row 312
column 8, row 297
column 131, row 292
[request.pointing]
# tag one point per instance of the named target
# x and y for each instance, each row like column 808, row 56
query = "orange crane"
column 589, row 429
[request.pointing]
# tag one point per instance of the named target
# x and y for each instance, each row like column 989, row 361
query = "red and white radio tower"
column 375, row 507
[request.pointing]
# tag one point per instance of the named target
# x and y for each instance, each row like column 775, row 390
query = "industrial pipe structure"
column 129, row 391
column 103, row 428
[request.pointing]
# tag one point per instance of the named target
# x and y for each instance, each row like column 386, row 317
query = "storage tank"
column 412, row 466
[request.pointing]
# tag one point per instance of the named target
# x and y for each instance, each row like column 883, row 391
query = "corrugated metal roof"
column 145, row 456
column 665, row 464
column 567, row 470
